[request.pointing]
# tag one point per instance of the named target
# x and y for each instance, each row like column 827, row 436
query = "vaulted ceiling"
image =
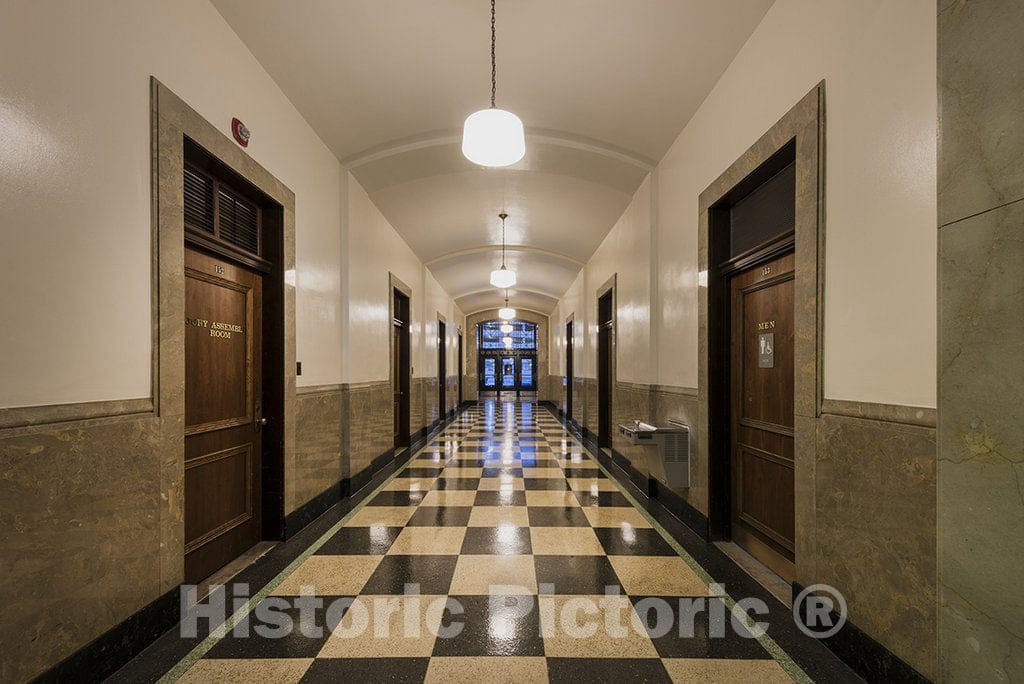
column 602, row 86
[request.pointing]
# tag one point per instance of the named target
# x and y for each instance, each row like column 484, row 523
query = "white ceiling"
column 603, row 87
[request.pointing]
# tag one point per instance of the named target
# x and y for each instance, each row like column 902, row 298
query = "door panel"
column 223, row 371
column 508, row 372
column 400, row 368
column 761, row 371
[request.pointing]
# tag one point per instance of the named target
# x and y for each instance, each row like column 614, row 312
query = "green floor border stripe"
column 222, row 630
column 770, row 645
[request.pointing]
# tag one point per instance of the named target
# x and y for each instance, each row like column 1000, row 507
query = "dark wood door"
column 223, row 384
column 442, row 370
column 605, row 373
column 400, row 368
column 761, row 376
column 568, row 370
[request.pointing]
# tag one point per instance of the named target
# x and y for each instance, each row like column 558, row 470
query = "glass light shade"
column 493, row 137
column 507, row 341
column 503, row 278
column 506, row 328
column 506, row 314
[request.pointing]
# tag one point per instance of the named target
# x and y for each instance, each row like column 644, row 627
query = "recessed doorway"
column 233, row 344
column 752, row 344
column 400, row 366
column 442, row 370
column 568, row 370
column 605, row 370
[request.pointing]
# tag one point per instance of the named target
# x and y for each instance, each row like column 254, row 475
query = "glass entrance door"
column 508, row 373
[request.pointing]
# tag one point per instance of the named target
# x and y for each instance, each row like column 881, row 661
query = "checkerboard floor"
column 505, row 525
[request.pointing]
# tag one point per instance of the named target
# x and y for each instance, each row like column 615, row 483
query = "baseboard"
column 870, row 659
column 314, row 508
column 105, row 654
column 680, row 508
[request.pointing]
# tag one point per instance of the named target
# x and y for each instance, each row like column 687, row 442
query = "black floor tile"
column 607, row 670
column 433, row 574
column 492, row 626
column 500, row 498
column 363, row 670
column 635, row 541
column 420, row 472
column 397, row 498
column 283, row 638
column 575, row 574
column 557, row 516
column 510, row 471
column 703, row 629
column 456, row 483
column 556, row 484
column 440, row 516
column 534, row 461
column 360, row 541
column 493, row 541
column 602, row 499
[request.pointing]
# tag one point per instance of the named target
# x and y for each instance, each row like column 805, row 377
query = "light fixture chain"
column 494, row 69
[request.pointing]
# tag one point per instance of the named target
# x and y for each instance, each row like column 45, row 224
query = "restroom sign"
column 766, row 350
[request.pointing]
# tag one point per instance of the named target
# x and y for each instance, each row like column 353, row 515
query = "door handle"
column 258, row 420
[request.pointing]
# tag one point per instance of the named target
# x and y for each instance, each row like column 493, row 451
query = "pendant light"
column 507, row 341
column 506, row 313
column 493, row 137
column 503, row 277
column 506, row 328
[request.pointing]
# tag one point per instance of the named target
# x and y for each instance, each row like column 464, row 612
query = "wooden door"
column 400, row 368
column 461, row 369
column 442, row 370
column 568, row 370
column 761, row 430
column 223, row 384
column 605, row 373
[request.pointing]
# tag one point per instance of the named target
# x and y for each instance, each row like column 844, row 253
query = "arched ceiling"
column 603, row 87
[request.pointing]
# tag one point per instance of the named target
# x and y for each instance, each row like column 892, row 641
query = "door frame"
column 396, row 286
column 608, row 289
column 461, row 369
column 802, row 127
column 442, row 367
column 172, row 121
column 570, row 365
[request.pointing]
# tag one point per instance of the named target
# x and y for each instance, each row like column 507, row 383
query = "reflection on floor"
column 502, row 552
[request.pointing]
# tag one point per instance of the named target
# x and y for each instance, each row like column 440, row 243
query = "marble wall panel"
column 368, row 410
column 981, row 446
column 875, row 530
column 80, row 511
column 981, row 77
column 319, row 443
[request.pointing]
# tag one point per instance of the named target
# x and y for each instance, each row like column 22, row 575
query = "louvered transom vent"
column 198, row 200
column 238, row 221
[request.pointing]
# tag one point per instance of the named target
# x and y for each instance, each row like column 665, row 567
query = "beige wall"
column 74, row 184
column 878, row 61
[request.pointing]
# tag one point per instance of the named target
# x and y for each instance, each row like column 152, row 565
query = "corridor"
column 501, row 552
column 511, row 340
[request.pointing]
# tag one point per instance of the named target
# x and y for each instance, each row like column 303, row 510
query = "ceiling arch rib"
column 488, row 249
column 515, row 290
column 536, row 135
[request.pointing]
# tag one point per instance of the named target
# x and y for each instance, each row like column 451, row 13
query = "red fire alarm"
column 240, row 132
